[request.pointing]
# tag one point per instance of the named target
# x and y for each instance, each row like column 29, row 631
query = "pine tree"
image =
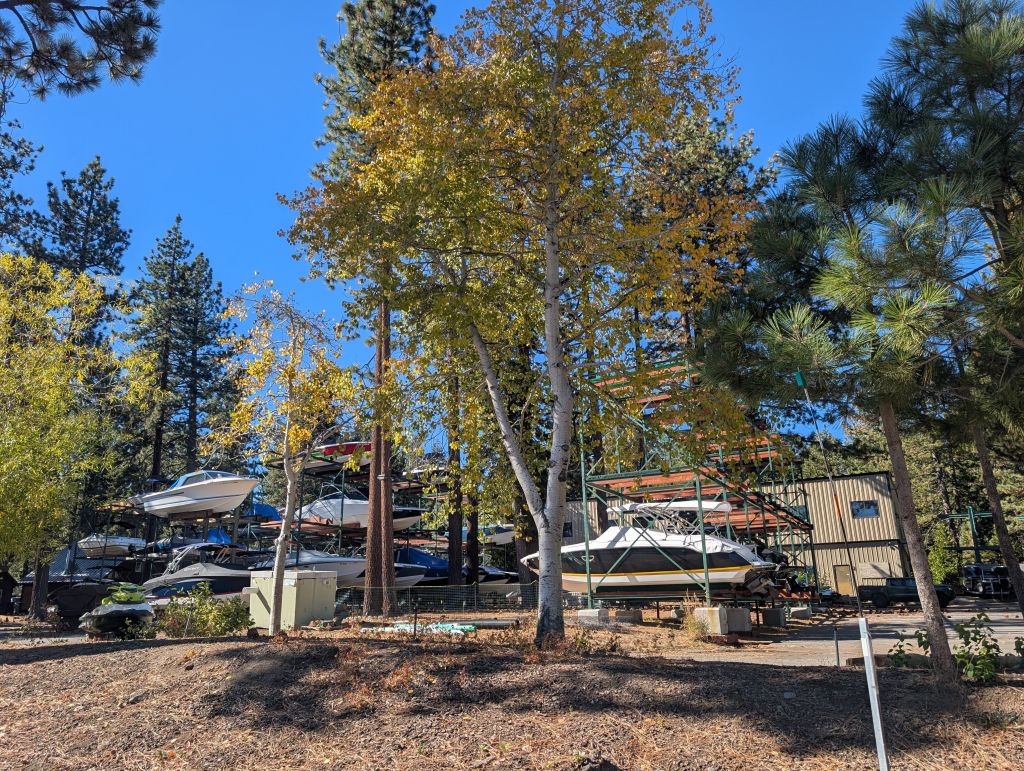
column 160, row 299
column 952, row 102
column 69, row 46
column 17, row 219
column 196, row 361
column 382, row 36
column 81, row 231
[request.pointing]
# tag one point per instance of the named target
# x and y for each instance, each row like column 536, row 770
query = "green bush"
column 200, row 614
column 978, row 652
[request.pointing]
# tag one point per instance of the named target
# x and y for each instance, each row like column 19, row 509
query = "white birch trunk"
column 281, row 546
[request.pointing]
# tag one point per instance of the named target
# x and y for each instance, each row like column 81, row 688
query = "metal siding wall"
column 822, row 514
column 574, row 514
column 828, row 558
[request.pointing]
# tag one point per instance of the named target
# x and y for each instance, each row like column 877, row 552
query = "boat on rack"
column 637, row 562
column 348, row 569
column 224, row 582
column 349, row 509
column 437, row 568
column 197, row 494
column 331, row 457
column 351, row 571
column 101, row 545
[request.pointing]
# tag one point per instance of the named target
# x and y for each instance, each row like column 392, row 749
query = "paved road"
column 810, row 644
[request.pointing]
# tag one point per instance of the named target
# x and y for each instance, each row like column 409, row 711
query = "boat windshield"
column 347, row 492
column 199, row 476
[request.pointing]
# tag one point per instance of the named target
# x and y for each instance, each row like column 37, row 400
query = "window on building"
column 567, row 530
column 864, row 509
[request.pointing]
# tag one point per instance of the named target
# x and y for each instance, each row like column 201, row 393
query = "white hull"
column 348, row 569
column 209, row 497
column 577, row 582
column 97, row 546
column 353, row 513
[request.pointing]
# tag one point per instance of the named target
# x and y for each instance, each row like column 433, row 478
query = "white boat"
column 630, row 560
column 348, row 569
column 100, row 545
column 347, row 510
column 497, row 535
column 199, row 493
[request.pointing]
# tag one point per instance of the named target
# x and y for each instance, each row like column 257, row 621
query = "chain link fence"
column 478, row 598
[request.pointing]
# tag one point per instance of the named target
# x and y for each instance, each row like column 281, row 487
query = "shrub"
column 200, row 614
column 978, row 651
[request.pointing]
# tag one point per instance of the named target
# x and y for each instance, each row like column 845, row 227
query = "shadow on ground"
column 807, row 710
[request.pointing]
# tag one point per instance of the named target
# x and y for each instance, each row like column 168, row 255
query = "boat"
column 331, row 457
column 224, row 582
column 102, row 545
column 642, row 561
column 351, row 571
column 348, row 569
column 437, row 568
column 199, row 493
column 350, row 510
column 115, row 618
column 496, row 535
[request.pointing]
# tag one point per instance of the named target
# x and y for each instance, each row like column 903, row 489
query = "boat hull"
column 633, row 562
column 354, row 514
column 206, row 498
column 98, row 546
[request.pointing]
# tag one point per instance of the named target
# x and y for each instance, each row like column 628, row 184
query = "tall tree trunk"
column 454, row 487
column 942, row 659
column 192, row 419
column 156, row 468
column 389, row 600
column 40, row 588
column 389, row 603
column 550, row 619
column 995, row 502
column 947, row 505
column 282, row 543
column 473, row 538
column 373, row 604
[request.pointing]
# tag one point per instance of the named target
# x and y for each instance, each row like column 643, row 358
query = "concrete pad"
column 624, row 616
column 592, row 616
column 774, row 617
column 715, row 619
column 738, row 619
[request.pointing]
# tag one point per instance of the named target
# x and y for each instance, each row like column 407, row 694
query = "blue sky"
column 227, row 113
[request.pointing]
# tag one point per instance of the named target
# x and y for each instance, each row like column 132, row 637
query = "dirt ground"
column 344, row 700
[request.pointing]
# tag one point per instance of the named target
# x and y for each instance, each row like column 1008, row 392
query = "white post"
column 876, row 712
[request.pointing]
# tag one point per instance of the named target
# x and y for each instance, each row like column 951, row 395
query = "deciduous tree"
column 502, row 194
column 290, row 387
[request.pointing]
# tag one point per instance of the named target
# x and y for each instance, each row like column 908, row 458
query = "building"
column 867, row 504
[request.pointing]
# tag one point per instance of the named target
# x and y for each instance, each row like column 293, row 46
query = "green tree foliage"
column 71, row 46
column 380, row 36
column 490, row 220
column 17, row 159
column 178, row 322
column 45, row 398
column 81, row 231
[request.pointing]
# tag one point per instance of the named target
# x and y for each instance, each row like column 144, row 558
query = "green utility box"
column 308, row 596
